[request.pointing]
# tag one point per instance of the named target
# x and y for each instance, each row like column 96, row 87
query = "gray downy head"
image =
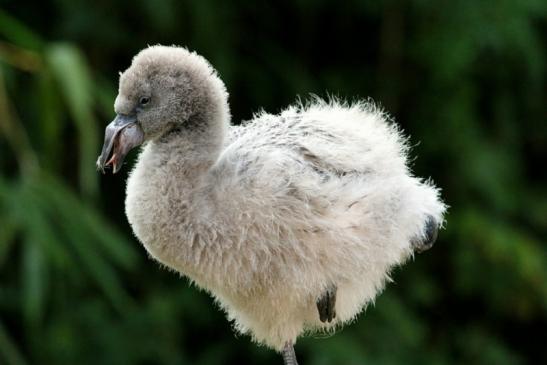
column 160, row 92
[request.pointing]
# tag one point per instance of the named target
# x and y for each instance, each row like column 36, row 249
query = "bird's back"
column 326, row 151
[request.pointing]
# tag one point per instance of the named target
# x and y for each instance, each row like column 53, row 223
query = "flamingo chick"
column 292, row 222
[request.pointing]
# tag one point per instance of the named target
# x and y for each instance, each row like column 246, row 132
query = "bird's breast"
column 166, row 213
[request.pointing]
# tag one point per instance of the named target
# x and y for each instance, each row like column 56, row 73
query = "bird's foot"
column 326, row 305
column 289, row 356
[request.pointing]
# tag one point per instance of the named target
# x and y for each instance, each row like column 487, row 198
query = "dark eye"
column 144, row 100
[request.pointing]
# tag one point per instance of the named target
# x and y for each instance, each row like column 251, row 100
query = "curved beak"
column 122, row 135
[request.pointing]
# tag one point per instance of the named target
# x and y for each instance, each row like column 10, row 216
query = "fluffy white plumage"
column 268, row 215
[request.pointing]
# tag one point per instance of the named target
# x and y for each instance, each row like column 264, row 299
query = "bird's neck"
column 189, row 148
column 169, row 188
column 178, row 164
column 196, row 143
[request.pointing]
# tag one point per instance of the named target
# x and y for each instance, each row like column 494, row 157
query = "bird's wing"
column 329, row 139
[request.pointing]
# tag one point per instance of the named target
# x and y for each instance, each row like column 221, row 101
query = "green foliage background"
column 466, row 79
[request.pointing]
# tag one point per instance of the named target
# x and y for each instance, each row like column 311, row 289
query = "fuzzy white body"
column 281, row 208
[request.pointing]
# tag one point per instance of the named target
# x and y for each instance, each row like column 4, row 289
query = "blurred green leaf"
column 51, row 123
column 70, row 70
column 18, row 33
column 8, row 350
column 34, row 280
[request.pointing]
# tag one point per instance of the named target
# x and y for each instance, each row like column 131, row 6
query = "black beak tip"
column 121, row 135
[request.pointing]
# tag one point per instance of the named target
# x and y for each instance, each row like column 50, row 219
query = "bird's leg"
column 289, row 356
column 326, row 305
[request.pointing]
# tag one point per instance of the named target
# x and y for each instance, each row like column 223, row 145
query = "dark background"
column 466, row 79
